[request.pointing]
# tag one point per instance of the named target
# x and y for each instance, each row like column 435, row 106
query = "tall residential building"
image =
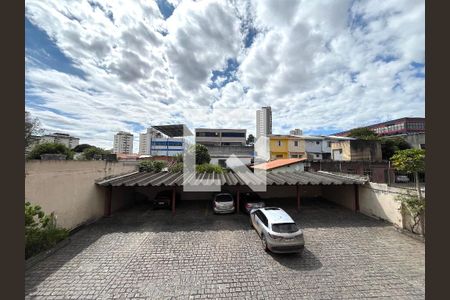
column 123, row 143
column 296, row 131
column 263, row 121
column 60, row 138
column 220, row 137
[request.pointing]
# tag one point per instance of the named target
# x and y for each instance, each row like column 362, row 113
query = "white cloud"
column 321, row 64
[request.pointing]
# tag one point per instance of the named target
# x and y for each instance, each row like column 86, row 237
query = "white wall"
column 68, row 187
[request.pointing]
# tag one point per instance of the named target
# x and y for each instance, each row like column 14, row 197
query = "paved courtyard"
column 146, row 254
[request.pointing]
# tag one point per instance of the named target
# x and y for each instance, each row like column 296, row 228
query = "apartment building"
column 263, row 121
column 60, row 138
column 296, row 131
column 123, row 143
column 220, row 137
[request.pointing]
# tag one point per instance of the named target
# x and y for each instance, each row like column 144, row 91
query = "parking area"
column 145, row 254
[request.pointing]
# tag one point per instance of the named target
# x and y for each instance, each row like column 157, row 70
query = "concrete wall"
column 379, row 200
column 343, row 195
column 68, row 188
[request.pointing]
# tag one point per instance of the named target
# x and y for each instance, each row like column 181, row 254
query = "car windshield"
column 285, row 228
column 223, row 198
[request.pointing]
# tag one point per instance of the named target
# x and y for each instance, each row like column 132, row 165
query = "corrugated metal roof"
column 231, row 179
column 278, row 163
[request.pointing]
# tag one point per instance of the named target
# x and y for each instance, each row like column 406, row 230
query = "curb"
column 32, row 261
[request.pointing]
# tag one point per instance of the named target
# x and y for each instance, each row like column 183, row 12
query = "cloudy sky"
column 96, row 67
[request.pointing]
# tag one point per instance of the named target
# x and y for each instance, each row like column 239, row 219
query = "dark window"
column 208, row 134
column 223, row 198
column 285, row 228
column 262, row 217
column 422, row 146
column 222, row 163
column 233, row 134
column 317, row 143
column 178, row 144
column 296, row 143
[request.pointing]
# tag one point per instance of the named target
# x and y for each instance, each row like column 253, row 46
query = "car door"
column 258, row 222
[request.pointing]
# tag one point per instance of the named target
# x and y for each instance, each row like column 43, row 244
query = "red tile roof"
column 278, row 163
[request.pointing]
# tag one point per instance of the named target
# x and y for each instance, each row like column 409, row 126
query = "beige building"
column 356, row 150
column 60, row 138
column 123, row 143
column 145, row 140
column 220, row 137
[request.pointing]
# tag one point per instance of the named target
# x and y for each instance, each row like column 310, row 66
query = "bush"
column 151, row 166
column 209, row 168
column 178, row 167
column 94, row 153
column 50, row 148
column 41, row 232
column 201, row 155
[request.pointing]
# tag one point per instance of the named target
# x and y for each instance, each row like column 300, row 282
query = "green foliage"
column 50, row 148
column 94, row 153
column 201, row 154
column 32, row 127
column 41, row 232
column 364, row 134
column 208, row 168
column 409, row 160
column 80, row 148
column 151, row 166
column 250, row 139
column 415, row 206
column 179, row 158
column 177, row 167
column 391, row 145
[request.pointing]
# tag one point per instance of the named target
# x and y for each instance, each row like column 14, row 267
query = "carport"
column 339, row 185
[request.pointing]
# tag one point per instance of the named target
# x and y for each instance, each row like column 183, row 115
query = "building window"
column 317, row 143
column 279, row 143
column 422, row 146
column 317, row 155
column 329, row 144
column 233, row 134
column 296, row 143
column 294, row 156
column 279, row 156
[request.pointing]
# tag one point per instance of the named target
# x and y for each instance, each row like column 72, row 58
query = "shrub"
column 50, row 148
column 415, row 206
column 201, row 154
column 209, row 168
column 41, row 232
column 178, row 167
column 151, row 166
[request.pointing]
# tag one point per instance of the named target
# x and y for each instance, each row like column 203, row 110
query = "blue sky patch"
column 136, row 126
column 386, row 58
column 221, row 78
column 165, row 8
column 41, row 50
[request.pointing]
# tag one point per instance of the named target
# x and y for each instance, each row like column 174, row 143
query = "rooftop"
column 231, row 179
column 175, row 130
column 278, row 163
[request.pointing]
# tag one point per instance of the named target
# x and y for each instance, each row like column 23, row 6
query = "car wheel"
column 264, row 242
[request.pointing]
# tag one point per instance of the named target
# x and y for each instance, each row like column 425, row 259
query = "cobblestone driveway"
column 147, row 254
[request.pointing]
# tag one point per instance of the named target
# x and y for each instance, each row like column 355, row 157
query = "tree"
column 363, row 133
column 391, row 145
column 80, row 148
column 32, row 128
column 94, row 152
column 151, row 166
column 250, row 139
column 411, row 161
column 201, row 154
column 50, row 148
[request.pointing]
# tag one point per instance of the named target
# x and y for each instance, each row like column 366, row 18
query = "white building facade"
column 263, row 121
column 123, row 143
column 60, row 138
column 154, row 143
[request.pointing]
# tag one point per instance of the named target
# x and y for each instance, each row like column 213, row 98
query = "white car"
column 402, row 178
column 277, row 230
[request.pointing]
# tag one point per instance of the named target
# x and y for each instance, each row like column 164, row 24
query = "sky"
column 93, row 68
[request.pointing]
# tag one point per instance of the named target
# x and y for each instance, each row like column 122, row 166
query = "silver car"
column 277, row 230
column 223, row 203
